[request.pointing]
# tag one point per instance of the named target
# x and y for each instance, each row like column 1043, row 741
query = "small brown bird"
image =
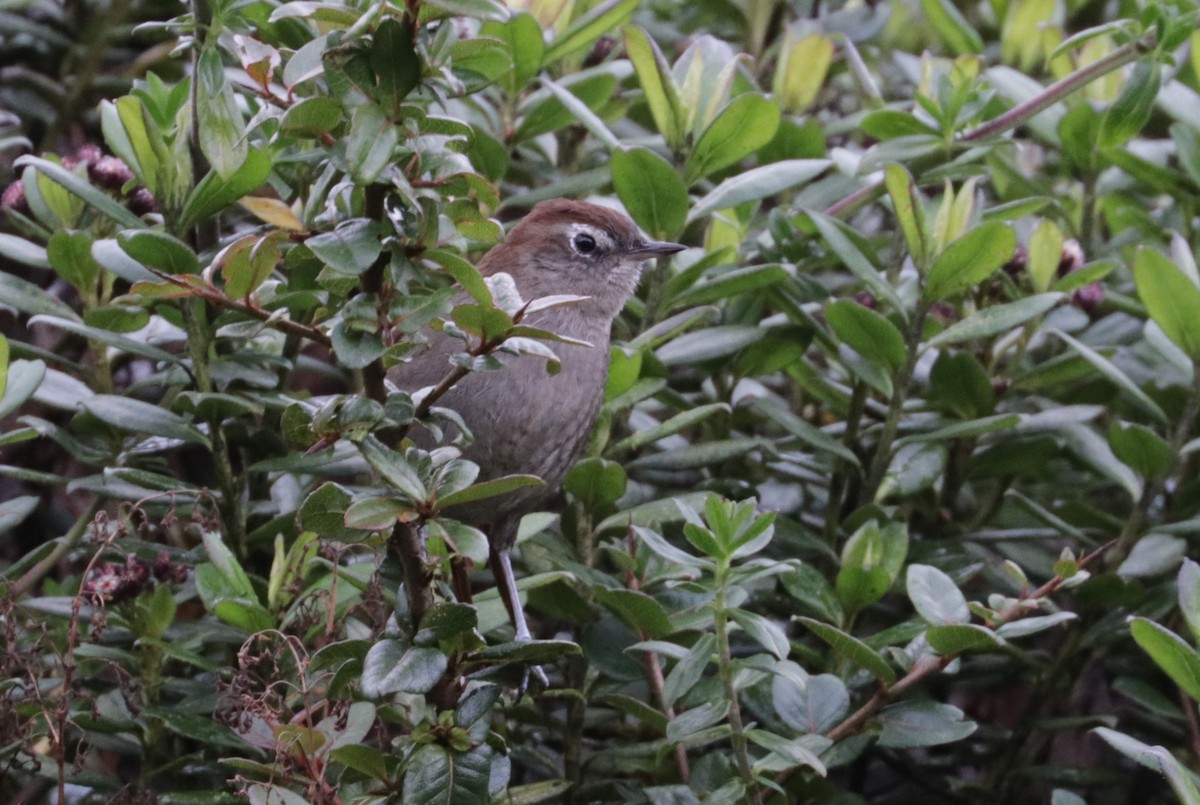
column 523, row 419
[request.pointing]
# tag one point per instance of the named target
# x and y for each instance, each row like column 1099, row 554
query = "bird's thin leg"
column 501, row 561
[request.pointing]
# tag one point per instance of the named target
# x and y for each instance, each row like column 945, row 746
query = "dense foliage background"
column 892, row 491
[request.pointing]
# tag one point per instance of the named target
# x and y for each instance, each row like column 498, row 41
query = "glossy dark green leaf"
column 919, row 723
column 936, row 596
column 867, row 333
column 637, row 609
column 369, row 146
column 159, row 250
column 1141, row 449
column 490, row 489
column 852, row 649
column 311, row 117
column 392, row 666
column 395, row 64
column 350, row 249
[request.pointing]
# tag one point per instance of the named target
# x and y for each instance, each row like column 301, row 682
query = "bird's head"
column 573, row 247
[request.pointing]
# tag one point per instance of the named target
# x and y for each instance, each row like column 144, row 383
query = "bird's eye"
column 584, row 243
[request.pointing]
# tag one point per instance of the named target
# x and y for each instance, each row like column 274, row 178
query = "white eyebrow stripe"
column 602, row 238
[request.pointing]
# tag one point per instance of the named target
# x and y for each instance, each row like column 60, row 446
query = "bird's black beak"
column 655, row 248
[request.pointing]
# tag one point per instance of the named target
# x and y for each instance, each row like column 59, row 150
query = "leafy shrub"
column 892, row 487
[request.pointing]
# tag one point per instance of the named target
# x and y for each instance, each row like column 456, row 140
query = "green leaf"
column 871, row 561
column 733, row 283
column 100, row 201
column 955, row 639
column 523, row 37
column 70, row 253
column 757, row 184
column 651, row 190
column 1175, row 657
column 963, row 430
column 324, row 512
column 637, row 609
column 853, row 650
column 392, row 666
column 1131, row 110
column 914, row 468
column 437, row 775
column 136, row 416
column 529, row 651
column 1141, row 449
column 1189, row 595
column 222, row 130
column 764, row 631
column 1158, row 759
column 1171, row 299
column 350, row 249
column 129, row 127
column 395, row 64
column 848, row 246
column 369, row 146
column 376, row 514
column 970, row 260
column 745, row 125
column 105, row 337
column 214, row 193
column 910, row 212
column 936, row 598
column 1110, row 371
column 804, row 431
column 159, row 250
column 583, row 115
column 707, row 344
column 24, row 252
column 594, row 481
column 489, row 489
column 23, row 380
column 913, row 724
column 311, row 118
column 960, row 385
column 654, row 75
column 1045, row 253
column 689, row 669
column 394, row 469
column 676, row 424
column 812, row 707
column 867, row 333
column 597, row 21
column 887, row 124
column 951, row 27
column 28, row 298
column 995, row 320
